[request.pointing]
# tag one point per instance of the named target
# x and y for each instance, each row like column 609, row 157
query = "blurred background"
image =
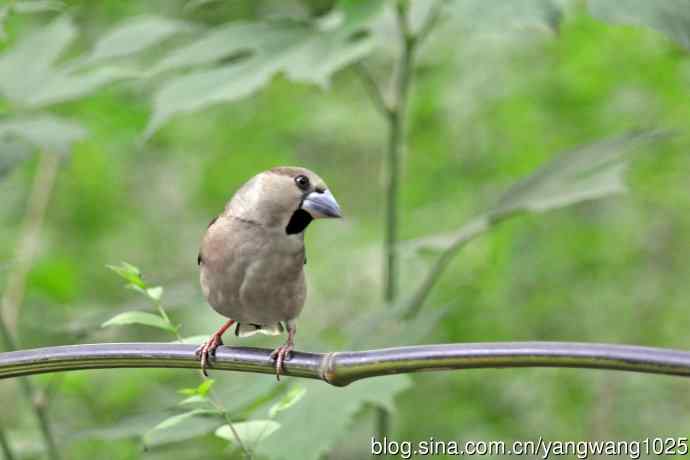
column 125, row 126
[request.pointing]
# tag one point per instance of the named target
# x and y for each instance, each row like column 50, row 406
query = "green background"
column 488, row 106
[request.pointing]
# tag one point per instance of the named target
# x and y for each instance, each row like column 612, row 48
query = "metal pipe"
column 342, row 368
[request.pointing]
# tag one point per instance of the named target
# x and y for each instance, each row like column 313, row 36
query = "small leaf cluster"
column 135, row 282
column 245, row 435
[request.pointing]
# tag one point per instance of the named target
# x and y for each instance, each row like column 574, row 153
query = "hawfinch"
column 252, row 256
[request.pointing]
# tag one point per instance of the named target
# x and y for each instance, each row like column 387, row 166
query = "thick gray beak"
column 321, row 205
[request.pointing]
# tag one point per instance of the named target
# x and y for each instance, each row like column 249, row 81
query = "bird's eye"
column 302, row 182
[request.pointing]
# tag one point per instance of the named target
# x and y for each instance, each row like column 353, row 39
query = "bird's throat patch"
column 298, row 222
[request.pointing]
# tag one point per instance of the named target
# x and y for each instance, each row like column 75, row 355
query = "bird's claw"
column 206, row 351
column 280, row 355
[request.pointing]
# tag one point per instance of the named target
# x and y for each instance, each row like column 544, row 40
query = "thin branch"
column 343, row 368
column 467, row 233
column 13, row 295
column 431, row 21
column 27, row 247
column 373, row 89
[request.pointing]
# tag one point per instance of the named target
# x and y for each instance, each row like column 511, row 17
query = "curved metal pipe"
column 342, row 368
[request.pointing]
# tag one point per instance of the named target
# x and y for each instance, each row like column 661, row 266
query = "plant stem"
column 215, row 401
column 27, row 247
column 164, row 315
column 5, row 445
column 13, row 295
column 396, row 147
column 395, row 151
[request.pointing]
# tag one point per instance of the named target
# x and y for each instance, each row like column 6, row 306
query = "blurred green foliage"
column 500, row 89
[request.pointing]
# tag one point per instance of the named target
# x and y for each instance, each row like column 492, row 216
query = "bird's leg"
column 282, row 353
column 208, row 349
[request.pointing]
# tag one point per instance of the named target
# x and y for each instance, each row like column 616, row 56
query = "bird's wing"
column 199, row 258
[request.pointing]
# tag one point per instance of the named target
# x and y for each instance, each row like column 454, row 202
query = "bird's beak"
column 321, row 204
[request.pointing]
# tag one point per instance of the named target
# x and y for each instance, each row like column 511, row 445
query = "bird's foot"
column 207, row 351
column 280, row 355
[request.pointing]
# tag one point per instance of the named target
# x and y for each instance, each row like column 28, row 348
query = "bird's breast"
column 255, row 276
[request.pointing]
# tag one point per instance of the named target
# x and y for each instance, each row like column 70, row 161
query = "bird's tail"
column 249, row 329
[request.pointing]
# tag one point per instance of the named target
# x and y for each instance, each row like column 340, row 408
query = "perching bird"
column 252, row 256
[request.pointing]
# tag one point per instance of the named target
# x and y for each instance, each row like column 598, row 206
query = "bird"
column 252, row 257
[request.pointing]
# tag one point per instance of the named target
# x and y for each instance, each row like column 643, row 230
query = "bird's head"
column 287, row 197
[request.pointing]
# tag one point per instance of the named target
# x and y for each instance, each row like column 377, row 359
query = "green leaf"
column 67, row 84
column 201, row 390
column 215, row 45
column 26, row 67
column 250, row 433
column 205, row 387
column 194, row 399
column 30, row 75
column 586, row 173
column 48, row 133
column 331, row 423
column 134, row 36
column 288, row 400
column 155, row 293
column 670, row 17
column 189, row 424
column 305, row 52
column 200, row 89
column 179, row 418
column 136, row 288
column 129, row 273
column 140, row 317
